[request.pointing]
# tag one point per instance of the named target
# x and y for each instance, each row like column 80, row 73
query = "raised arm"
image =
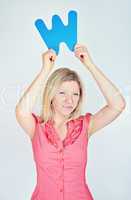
column 115, row 101
column 26, row 103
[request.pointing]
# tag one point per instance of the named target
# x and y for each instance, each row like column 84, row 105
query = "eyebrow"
column 72, row 91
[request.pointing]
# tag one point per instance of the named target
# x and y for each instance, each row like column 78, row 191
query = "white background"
column 103, row 26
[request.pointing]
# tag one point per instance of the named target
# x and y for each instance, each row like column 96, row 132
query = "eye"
column 61, row 92
column 76, row 94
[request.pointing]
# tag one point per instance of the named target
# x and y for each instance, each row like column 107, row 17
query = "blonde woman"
column 60, row 135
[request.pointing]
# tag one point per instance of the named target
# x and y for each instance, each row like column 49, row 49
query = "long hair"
column 53, row 83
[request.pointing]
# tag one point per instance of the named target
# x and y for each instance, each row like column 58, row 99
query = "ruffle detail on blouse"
column 48, row 131
column 74, row 128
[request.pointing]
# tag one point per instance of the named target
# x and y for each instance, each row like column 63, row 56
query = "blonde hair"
column 53, row 83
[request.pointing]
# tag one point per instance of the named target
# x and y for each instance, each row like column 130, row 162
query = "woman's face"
column 66, row 98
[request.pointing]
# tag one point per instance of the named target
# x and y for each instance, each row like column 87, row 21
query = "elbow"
column 17, row 109
column 121, row 105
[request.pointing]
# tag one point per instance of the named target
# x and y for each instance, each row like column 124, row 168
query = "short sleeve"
column 87, row 118
column 37, row 118
column 37, row 121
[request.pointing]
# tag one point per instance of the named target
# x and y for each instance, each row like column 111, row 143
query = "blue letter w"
column 59, row 32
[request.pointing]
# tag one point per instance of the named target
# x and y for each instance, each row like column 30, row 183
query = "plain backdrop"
column 103, row 26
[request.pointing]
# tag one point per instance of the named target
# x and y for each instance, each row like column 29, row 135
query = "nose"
column 69, row 99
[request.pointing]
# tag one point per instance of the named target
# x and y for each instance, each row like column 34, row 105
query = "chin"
column 66, row 113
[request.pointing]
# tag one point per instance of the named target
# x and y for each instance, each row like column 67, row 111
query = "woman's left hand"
column 82, row 54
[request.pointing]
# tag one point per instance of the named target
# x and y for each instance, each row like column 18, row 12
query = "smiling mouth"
column 68, row 107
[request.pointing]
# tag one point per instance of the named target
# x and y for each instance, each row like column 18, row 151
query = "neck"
column 59, row 120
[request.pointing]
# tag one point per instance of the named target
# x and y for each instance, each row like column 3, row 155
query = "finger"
column 52, row 51
column 79, row 50
column 80, row 55
column 78, row 46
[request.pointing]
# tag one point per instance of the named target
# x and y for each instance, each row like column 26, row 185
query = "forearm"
column 108, row 89
column 28, row 99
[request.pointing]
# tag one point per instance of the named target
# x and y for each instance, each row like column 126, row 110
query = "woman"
column 60, row 135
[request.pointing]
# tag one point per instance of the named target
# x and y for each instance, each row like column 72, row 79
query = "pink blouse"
column 60, row 164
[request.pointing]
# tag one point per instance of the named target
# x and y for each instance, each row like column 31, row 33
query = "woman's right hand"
column 48, row 59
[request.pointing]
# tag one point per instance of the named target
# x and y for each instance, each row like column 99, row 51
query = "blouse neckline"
column 74, row 128
column 56, row 132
